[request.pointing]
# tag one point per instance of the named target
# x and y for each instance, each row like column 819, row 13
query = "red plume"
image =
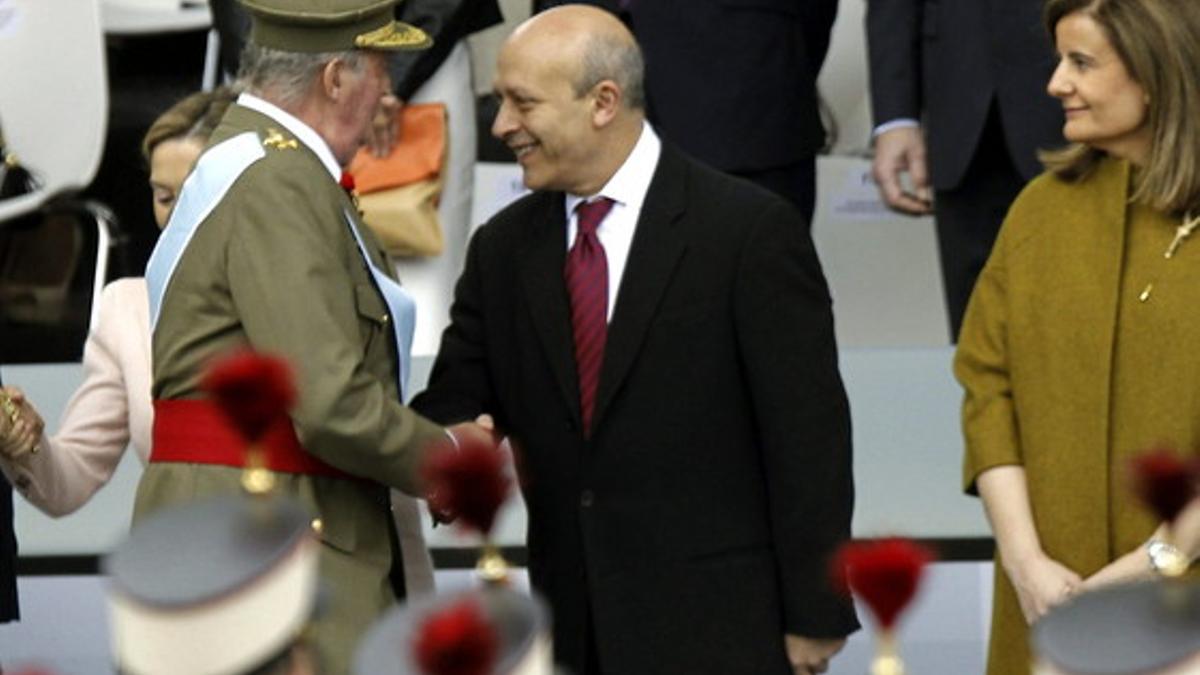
column 884, row 573
column 469, row 483
column 456, row 640
column 253, row 390
column 1164, row 481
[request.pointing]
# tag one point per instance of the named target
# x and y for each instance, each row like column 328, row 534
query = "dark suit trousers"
column 795, row 182
column 969, row 217
column 8, row 556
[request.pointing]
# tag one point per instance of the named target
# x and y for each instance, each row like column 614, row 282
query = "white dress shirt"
column 627, row 188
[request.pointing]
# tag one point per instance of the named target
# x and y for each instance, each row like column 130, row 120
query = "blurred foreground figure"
column 1142, row 629
column 225, row 586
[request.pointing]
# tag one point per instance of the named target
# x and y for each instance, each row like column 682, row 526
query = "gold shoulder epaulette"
column 276, row 140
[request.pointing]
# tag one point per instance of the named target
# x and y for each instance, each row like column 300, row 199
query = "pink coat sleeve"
column 96, row 425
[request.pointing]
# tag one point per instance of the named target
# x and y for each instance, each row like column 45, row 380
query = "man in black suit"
column 958, row 89
column 734, row 83
column 684, row 443
column 8, row 538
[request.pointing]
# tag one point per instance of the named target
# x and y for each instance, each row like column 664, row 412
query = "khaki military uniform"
column 276, row 268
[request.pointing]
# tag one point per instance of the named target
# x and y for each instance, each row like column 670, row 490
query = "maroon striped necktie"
column 586, row 276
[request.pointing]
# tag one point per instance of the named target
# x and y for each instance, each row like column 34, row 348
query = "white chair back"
column 53, row 93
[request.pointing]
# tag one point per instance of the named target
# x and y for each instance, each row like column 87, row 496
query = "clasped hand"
column 20, row 425
column 481, row 431
column 1043, row 583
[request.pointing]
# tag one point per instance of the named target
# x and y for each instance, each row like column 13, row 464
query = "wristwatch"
column 1165, row 559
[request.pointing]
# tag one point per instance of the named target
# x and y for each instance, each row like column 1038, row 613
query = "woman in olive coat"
column 1078, row 346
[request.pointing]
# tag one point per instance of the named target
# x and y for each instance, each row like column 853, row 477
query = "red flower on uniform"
column 253, row 390
column 347, row 181
column 1164, row 481
column 884, row 573
column 456, row 640
column 468, row 483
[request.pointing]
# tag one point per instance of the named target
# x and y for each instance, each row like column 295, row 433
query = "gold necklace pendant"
column 1182, row 232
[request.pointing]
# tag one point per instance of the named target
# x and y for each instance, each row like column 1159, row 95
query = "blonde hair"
column 195, row 116
column 1158, row 41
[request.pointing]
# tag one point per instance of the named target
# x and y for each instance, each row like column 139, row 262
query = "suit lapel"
column 542, row 260
column 657, row 248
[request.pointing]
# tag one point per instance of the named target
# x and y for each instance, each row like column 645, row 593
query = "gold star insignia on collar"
column 276, row 140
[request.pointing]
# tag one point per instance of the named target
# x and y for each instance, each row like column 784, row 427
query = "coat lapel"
column 542, row 277
column 1103, row 222
column 657, row 248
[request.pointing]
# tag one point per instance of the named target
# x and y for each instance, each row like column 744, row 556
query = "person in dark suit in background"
column 26, row 428
column 8, row 556
column 670, row 383
column 958, row 91
column 751, row 109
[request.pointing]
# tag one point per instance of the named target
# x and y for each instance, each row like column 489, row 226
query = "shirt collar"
column 628, row 186
column 306, row 134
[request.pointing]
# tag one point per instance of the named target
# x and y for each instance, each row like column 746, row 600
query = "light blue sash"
column 214, row 174
column 401, row 305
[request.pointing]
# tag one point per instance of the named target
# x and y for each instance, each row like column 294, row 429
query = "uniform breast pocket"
column 370, row 305
column 373, row 315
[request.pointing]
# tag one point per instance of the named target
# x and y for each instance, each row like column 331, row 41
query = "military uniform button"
column 317, row 525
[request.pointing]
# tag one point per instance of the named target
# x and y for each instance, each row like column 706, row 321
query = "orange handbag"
column 399, row 194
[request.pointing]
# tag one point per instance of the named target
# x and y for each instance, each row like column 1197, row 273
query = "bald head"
column 590, row 45
column 569, row 82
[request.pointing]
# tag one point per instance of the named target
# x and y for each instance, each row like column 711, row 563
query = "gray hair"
column 608, row 58
column 287, row 76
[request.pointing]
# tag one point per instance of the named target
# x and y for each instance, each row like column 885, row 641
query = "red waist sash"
column 196, row 432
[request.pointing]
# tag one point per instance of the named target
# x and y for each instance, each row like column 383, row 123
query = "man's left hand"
column 810, row 656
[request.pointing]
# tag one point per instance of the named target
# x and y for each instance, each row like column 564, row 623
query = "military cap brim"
column 1140, row 628
column 210, row 587
column 314, row 26
column 522, row 625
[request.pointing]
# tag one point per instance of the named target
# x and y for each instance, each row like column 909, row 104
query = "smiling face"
column 170, row 163
column 1105, row 108
column 546, row 124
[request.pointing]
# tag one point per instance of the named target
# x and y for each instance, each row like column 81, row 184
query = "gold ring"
column 9, row 407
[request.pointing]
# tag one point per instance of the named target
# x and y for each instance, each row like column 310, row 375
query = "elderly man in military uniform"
column 265, row 250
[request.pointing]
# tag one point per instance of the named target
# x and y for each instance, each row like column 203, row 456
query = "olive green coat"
column 275, row 267
column 1049, row 385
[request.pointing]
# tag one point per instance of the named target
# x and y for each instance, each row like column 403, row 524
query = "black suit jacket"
column 8, row 555
column 733, row 82
column 948, row 60
column 697, row 521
